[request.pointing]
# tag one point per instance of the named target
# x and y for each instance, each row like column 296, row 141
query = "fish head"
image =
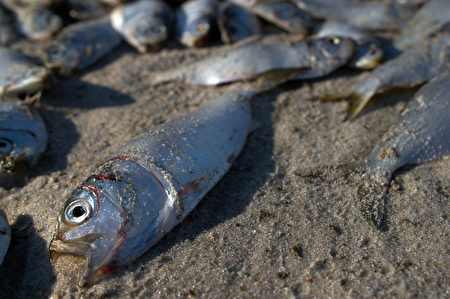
column 335, row 47
column 20, row 147
column 368, row 56
column 196, row 33
column 62, row 57
column 149, row 38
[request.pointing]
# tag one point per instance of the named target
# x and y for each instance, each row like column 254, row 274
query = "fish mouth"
column 72, row 247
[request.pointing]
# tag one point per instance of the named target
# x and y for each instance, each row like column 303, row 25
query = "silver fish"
column 431, row 17
column 152, row 183
column 421, row 134
column 283, row 14
column 23, row 137
column 369, row 15
column 368, row 54
column 38, row 22
column 19, row 74
column 196, row 20
column 413, row 67
column 236, row 23
column 311, row 58
column 80, row 45
column 5, row 235
column 7, row 26
column 144, row 24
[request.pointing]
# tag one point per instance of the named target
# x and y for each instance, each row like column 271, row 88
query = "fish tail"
column 358, row 102
column 372, row 203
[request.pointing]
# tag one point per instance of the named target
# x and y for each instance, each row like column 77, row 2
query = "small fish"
column 80, row 45
column 370, row 15
column 368, row 54
column 413, row 67
column 7, row 26
column 236, row 23
column 284, row 14
column 19, row 74
column 38, row 22
column 85, row 9
column 311, row 58
column 152, row 183
column 144, row 24
column 421, row 134
column 5, row 235
column 196, row 20
column 431, row 17
column 23, row 137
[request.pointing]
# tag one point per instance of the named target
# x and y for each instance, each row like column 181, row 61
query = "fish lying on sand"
column 5, row 235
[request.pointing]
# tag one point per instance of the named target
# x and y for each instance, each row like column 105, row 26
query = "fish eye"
column 77, row 211
column 6, row 145
column 333, row 40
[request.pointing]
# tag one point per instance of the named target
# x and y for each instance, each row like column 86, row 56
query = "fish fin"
column 266, row 82
column 158, row 78
column 358, row 102
column 372, row 203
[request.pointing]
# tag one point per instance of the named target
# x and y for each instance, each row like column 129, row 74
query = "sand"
column 283, row 222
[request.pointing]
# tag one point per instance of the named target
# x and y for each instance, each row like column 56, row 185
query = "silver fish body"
column 144, row 24
column 19, row 74
column 312, row 58
column 38, row 22
column 146, row 188
column 196, row 20
column 284, row 14
column 23, row 137
column 7, row 26
column 431, row 17
column 368, row 54
column 81, row 45
column 236, row 23
column 421, row 134
column 413, row 67
column 5, row 235
column 371, row 15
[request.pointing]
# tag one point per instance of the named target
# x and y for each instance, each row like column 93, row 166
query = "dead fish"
column 196, row 20
column 431, row 17
column 236, row 23
column 23, row 137
column 421, row 134
column 80, row 45
column 144, row 24
column 20, row 75
column 311, row 58
column 85, row 9
column 284, row 14
column 5, row 235
column 415, row 66
column 38, row 22
column 370, row 15
column 7, row 26
column 368, row 54
column 151, row 184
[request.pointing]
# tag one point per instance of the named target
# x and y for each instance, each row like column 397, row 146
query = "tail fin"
column 372, row 203
column 361, row 95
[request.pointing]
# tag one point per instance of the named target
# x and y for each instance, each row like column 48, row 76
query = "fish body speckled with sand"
column 311, row 58
column 144, row 24
column 80, row 45
column 20, row 74
column 23, row 137
column 5, row 235
column 370, row 15
column 368, row 54
column 196, row 20
column 236, row 23
column 151, row 184
column 413, row 67
column 421, row 134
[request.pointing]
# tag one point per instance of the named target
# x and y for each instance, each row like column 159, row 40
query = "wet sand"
column 283, row 222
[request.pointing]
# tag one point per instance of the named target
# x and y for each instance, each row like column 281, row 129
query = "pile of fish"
column 152, row 183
